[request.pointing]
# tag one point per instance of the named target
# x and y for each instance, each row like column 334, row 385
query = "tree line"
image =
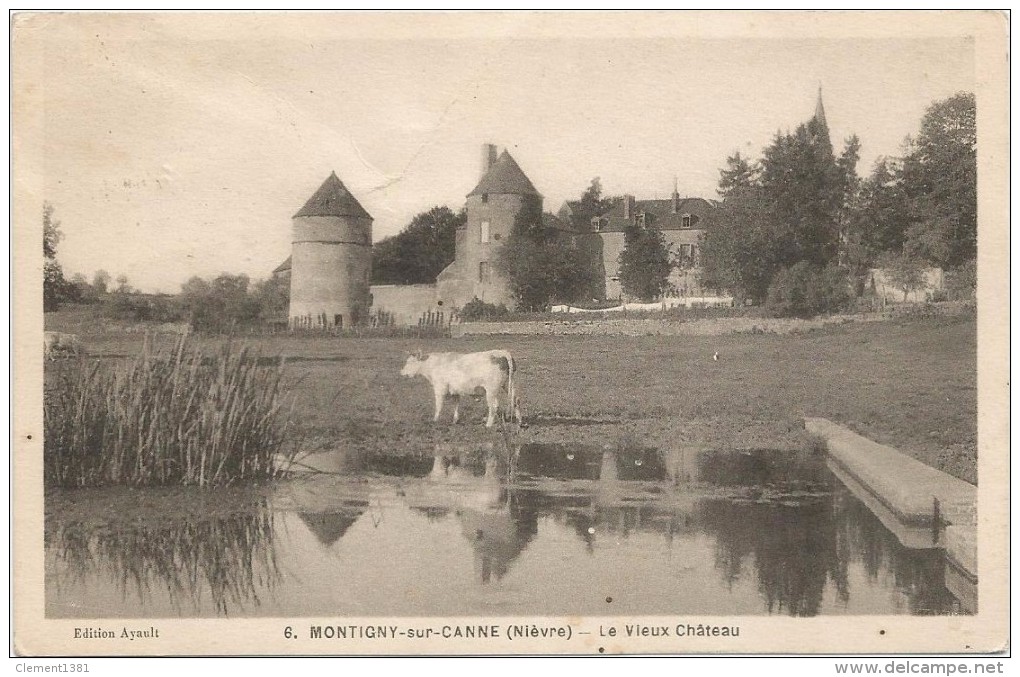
column 796, row 230
column 221, row 304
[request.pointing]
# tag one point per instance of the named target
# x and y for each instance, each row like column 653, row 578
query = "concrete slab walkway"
column 915, row 493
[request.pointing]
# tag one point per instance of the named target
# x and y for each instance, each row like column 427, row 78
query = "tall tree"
column 738, row 175
column 100, row 282
column 220, row 304
column 644, row 263
column 743, row 248
column 590, row 205
column 418, row 253
column 883, row 213
column 543, row 262
column 940, row 179
column 796, row 204
column 54, row 284
column 802, row 181
column 123, row 286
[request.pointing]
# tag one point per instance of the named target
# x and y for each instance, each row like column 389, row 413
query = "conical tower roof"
column 333, row 199
column 505, row 177
column 283, row 266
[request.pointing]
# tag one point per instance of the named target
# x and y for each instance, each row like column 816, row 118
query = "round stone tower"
column 331, row 260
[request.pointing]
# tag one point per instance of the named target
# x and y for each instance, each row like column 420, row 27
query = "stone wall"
column 408, row 305
column 650, row 327
column 879, row 284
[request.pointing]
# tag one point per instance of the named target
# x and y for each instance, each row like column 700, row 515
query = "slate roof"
column 505, row 178
column 283, row 267
column 661, row 213
column 333, row 199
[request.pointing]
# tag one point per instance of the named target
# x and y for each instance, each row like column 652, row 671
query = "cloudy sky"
column 174, row 146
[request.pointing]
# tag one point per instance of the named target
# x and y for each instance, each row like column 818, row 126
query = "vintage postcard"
column 510, row 333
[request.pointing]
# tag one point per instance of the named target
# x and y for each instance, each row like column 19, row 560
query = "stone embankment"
column 677, row 326
column 919, row 496
column 653, row 327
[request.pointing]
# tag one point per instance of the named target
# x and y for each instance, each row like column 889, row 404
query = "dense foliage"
column 476, row 309
column 644, row 263
column 545, row 260
column 802, row 203
column 806, row 290
column 55, row 288
column 418, row 253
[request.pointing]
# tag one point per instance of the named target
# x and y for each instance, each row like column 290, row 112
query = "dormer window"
column 641, row 220
column 596, row 225
column 685, row 220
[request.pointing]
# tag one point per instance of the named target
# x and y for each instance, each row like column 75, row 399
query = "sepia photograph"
column 510, row 333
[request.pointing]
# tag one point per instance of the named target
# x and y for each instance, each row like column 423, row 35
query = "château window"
column 485, row 198
column 483, row 271
column 641, row 220
column 485, row 232
column 596, row 225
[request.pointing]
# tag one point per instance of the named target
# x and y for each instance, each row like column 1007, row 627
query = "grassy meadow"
column 907, row 382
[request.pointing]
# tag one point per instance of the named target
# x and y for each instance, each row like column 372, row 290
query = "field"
column 910, row 383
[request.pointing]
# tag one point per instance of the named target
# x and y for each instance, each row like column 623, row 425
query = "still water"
column 570, row 531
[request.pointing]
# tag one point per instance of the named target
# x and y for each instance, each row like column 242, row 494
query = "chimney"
column 488, row 157
column 628, row 206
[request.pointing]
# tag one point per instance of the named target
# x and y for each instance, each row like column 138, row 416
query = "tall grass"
column 170, row 416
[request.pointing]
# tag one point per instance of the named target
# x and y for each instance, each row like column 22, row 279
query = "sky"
column 174, row 146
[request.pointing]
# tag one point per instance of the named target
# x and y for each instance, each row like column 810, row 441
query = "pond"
column 568, row 530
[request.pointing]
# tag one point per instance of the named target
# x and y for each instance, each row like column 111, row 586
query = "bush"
column 143, row 308
column 961, row 282
column 805, row 290
column 167, row 417
column 476, row 309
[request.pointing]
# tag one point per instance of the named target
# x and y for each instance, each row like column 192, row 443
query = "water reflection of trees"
column 793, row 549
column 231, row 559
column 918, row 575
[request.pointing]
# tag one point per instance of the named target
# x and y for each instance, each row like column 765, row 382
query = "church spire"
column 820, row 109
column 820, row 126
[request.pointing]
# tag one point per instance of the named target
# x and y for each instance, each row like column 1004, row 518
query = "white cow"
column 55, row 342
column 457, row 374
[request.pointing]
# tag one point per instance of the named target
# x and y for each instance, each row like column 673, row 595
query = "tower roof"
column 333, row 199
column 283, row 267
column 505, row 177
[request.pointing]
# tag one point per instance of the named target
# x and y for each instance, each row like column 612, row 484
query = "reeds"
column 170, row 416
